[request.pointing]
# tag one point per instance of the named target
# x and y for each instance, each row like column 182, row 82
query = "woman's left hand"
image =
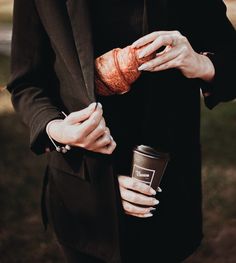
column 178, row 53
column 134, row 195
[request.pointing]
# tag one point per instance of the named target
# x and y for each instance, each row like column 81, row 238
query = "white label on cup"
column 143, row 174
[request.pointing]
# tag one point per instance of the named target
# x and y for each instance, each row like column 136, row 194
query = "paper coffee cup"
column 149, row 165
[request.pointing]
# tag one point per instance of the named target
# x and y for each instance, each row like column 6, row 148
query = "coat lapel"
column 79, row 17
column 70, row 37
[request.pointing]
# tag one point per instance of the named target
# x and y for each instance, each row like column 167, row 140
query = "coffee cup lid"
column 151, row 151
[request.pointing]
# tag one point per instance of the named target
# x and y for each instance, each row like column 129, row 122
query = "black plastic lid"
column 151, row 151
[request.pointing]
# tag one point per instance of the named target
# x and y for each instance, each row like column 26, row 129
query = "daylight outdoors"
column 22, row 237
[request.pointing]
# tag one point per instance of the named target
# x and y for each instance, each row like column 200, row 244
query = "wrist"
column 207, row 68
column 52, row 129
column 53, row 132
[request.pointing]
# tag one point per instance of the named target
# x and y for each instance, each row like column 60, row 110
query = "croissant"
column 117, row 69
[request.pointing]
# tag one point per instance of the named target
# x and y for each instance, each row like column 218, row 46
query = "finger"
column 168, row 65
column 102, row 142
column 133, row 209
column 91, row 123
column 140, row 215
column 82, row 115
column 137, row 198
column 163, row 40
column 78, row 132
column 110, row 148
column 159, row 60
column 149, row 38
column 134, row 184
column 107, row 149
column 144, row 40
column 159, row 54
column 98, row 132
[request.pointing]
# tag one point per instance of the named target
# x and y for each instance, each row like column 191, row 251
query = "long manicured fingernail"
column 142, row 67
column 99, row 105
column 96, row 106
column 156, row 202
column 159, row 190
column 153, row 209
column 142, row 54
column 152, row 191
column 93, row 104
column 148, row 215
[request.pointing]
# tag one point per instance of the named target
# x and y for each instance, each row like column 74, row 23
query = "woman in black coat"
column 93, row 205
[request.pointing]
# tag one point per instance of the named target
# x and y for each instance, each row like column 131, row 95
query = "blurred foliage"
column 218, row 128
column 218, row 131
column 21, row 174
column 4, row 66
column 6, row 7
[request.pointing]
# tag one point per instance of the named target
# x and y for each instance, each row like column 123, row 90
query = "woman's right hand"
column 85, row 128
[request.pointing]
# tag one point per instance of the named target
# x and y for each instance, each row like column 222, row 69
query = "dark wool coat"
column 52, row 71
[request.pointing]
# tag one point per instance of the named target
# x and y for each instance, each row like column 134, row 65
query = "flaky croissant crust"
column 116, row 70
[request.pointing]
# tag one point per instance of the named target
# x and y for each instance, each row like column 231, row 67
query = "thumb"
column 81, row 115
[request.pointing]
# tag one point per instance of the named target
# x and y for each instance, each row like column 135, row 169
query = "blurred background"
column 22, row 238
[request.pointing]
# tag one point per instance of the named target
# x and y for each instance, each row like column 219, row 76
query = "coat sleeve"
column 221, row 45
column 31, row 69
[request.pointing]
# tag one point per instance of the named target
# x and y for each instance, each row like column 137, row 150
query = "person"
column 98, row 212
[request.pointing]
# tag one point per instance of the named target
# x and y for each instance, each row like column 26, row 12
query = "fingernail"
column 92, row 105
column 152, row 191
column 159, row 190
column 142, row 67
column 96, row 106
column 156, row 202
column 153, row 209
column 148, row 215
column 99, row 105
column 111, row 138
column 141, row 54
column 135, row 44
